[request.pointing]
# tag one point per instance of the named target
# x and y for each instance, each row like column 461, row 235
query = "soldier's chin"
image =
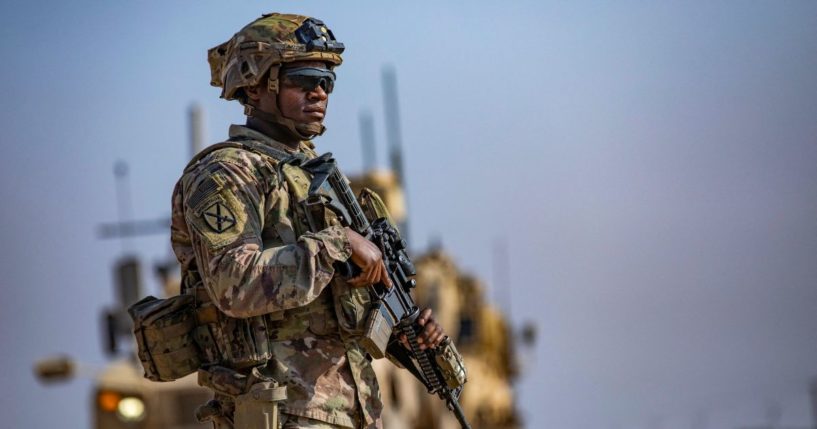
column 314, row 128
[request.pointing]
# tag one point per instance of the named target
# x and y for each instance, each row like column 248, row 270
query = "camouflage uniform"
column 259, row 264
column 240, row 238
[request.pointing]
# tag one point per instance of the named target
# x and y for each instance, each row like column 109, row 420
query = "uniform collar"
column 242, row 132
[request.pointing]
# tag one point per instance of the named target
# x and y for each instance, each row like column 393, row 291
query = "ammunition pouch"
column 163, row 328
column 244, row 343
column 379, row 327
column 228, row 341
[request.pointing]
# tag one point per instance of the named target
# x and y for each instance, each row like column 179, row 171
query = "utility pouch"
column 352, row 307
column 163, row 328
column 259, row 407
column 379, row 328
column 237, row 343
column 243, row 342
column 451, row 365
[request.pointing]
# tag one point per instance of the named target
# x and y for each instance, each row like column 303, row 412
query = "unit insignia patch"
column 219, row 217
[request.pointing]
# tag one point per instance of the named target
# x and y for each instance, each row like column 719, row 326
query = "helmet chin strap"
column 300, row 131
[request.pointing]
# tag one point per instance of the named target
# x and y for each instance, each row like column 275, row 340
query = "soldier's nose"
column 318, row 93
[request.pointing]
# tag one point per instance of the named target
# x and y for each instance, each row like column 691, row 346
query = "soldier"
column 276, row 324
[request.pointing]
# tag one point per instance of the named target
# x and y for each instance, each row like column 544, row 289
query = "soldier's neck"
column 274, row 131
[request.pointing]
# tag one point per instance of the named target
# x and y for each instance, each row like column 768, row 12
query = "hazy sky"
column 651, row 166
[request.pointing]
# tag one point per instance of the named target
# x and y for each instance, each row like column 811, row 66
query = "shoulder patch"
column 219, row 204
column 222, row 219
column 218, row 217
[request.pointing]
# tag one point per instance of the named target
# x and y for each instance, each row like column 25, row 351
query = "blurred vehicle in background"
column 122, row 398
column 481, row 332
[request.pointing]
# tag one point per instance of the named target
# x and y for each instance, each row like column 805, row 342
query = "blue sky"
column 650, row 165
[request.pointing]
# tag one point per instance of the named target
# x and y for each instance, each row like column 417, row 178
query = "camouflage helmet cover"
column 266, row 43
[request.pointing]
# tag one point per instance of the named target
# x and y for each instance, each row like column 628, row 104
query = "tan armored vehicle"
column 122, row 397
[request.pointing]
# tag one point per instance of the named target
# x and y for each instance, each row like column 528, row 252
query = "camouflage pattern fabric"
column 234, row 223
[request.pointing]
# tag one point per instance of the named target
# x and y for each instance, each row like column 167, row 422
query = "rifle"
column 441, row 369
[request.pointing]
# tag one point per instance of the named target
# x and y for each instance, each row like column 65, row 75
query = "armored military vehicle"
column 122, row 397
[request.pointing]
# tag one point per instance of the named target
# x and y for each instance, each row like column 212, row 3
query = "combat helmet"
column 260, row 49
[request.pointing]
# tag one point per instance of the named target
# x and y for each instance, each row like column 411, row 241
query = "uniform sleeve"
column 225, row 208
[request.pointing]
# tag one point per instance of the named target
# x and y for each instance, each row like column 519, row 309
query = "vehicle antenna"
column 196, row 130
column 367, row 139
column 393, row 136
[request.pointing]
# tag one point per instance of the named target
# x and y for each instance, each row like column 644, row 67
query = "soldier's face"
column 299, row 104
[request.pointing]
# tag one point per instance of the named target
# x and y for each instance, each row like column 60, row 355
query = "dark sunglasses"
column 309, row 78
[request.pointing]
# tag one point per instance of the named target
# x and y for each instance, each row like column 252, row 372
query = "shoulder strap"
column 249, row 145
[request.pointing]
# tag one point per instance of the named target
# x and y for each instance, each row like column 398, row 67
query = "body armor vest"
column 243, row 343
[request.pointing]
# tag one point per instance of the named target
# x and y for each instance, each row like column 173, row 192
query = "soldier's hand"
column 369, row 259
column 431, row 334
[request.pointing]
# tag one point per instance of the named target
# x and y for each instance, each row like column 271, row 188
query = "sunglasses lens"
column 308, row 78
column 326, row 84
